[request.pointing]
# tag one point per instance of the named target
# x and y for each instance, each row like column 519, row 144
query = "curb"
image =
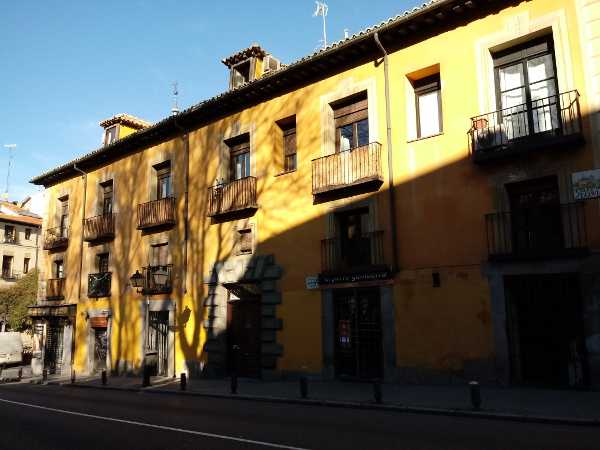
column 358, row 405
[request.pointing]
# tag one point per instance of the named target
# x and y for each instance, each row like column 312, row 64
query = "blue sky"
column 66, row 65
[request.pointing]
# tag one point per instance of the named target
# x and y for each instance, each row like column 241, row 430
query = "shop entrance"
column 100, row 349
column 545, row 329
column 243, row 335
column 358, row 336
column 53, row 350
column 158, row 342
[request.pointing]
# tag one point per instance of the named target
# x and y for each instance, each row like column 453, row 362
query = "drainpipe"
column 389, row 155
column 84, row 177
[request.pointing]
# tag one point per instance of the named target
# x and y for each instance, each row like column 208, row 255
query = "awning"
column 41, row 311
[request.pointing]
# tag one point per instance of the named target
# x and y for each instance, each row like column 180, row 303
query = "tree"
column 17, row 298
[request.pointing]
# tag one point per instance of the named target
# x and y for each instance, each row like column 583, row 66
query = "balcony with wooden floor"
column 55, row 289
column 157, row 213
column 56, row 238
column 99, row 228
column 552, row 231
column 549, row 123
column 351, row 170
column 234, row 197
column 99, row 284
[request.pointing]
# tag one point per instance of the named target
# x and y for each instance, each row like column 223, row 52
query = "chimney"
column 250, row 64
column 121, row 125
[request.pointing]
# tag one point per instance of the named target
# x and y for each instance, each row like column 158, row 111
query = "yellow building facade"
column 398, row 206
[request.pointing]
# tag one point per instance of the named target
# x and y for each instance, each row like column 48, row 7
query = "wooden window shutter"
column 351, row 112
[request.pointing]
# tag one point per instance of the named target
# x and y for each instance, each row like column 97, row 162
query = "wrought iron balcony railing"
column 55, row 289
column 99, row 284
column 346, row 169
column 542, row 232
column 11, row 239
column 56, row 238
column 99, row 228
column 537, row 124
column 10, row 275
column 157, row 213
column 237, row 195
column 157, row 279
column 343, row 255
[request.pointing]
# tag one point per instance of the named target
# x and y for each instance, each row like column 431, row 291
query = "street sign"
column 586, row 184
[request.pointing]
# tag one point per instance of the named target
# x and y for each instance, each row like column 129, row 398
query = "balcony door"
column 239, row 163
column 354, row 242
column 527, row 89
column 536, row 216
column 7, row 262
column 351, row 123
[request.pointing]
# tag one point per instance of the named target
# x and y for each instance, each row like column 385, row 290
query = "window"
column 239, row 150
column 351, row 123
column 163, row 180
column 26, row 265
column 110, row 135
column 10, row 236
column 59, row 269
column 240, row 74
column 159, row 254
column 102, row 262
column 353, row 236
column 244, row 241
column 526, row 88
column 64, row 216
column 7, row 266
column 428, row 106
column 27, row 234
column 107, row 197
column 288, row 128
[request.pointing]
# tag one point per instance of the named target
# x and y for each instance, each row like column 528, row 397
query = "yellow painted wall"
column 441, row 201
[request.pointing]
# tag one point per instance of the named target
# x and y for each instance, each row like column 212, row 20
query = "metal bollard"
column 20, row 373
column 104, row 378
column 475, row 390
column 45, row 375
column 146, row 375
column 234, row 383
column 303, row 387
column 183, row 380
column 377, row 394
column 72, row 377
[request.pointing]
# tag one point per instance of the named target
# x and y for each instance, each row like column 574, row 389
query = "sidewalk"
column 539, row 405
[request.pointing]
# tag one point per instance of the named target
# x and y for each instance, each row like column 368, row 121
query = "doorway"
column 158, row 341
column 100, row 349
column 358, row 334
column 243, row 335
column 53, row 350
column 545, row 330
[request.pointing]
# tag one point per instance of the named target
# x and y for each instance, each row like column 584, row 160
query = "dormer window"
column 240, row 74
column 110, row 135
column 249, row 64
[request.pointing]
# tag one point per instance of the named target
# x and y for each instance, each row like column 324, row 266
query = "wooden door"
column 243, row 328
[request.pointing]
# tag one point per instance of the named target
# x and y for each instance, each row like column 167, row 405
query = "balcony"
column 99, row 228
column 8, row 239
column 542, row 232
column 233, row 197
column 9, row 275
column 55, row 289
column 157, row 213
column 99, row 284
column 357, row 167
column 56, row 238
column 363, row 253
column 551, row 122
column 157, row 279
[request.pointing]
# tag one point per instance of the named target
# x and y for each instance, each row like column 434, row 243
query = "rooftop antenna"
column 10, row 148
column 175, row 109
column 322, row 10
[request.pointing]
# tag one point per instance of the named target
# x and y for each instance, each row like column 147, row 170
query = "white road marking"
column 158, row 427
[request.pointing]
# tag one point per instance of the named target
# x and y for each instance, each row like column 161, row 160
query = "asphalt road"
column 63, row 418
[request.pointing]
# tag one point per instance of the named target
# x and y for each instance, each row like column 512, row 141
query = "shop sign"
column 355, row 277
column 312, row 282
column 586, row 184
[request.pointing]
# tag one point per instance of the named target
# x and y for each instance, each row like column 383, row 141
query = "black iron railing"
column 339, row 255
column 157, row 279
column 237, row 195
column 9, row 275
column 538, row 121
column 347, row 168
column 57, row 237
column 99, row 284
column 157, row 213
column 545, row 231
column 55, row 289
column 99, row 228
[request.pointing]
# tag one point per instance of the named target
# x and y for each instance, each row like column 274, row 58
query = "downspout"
column 74, row 330
column 186, row 202
column 390, row 152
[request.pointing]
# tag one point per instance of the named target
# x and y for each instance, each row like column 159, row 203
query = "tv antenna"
column 10, row 148
column 175, row 109
column 322, row 10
